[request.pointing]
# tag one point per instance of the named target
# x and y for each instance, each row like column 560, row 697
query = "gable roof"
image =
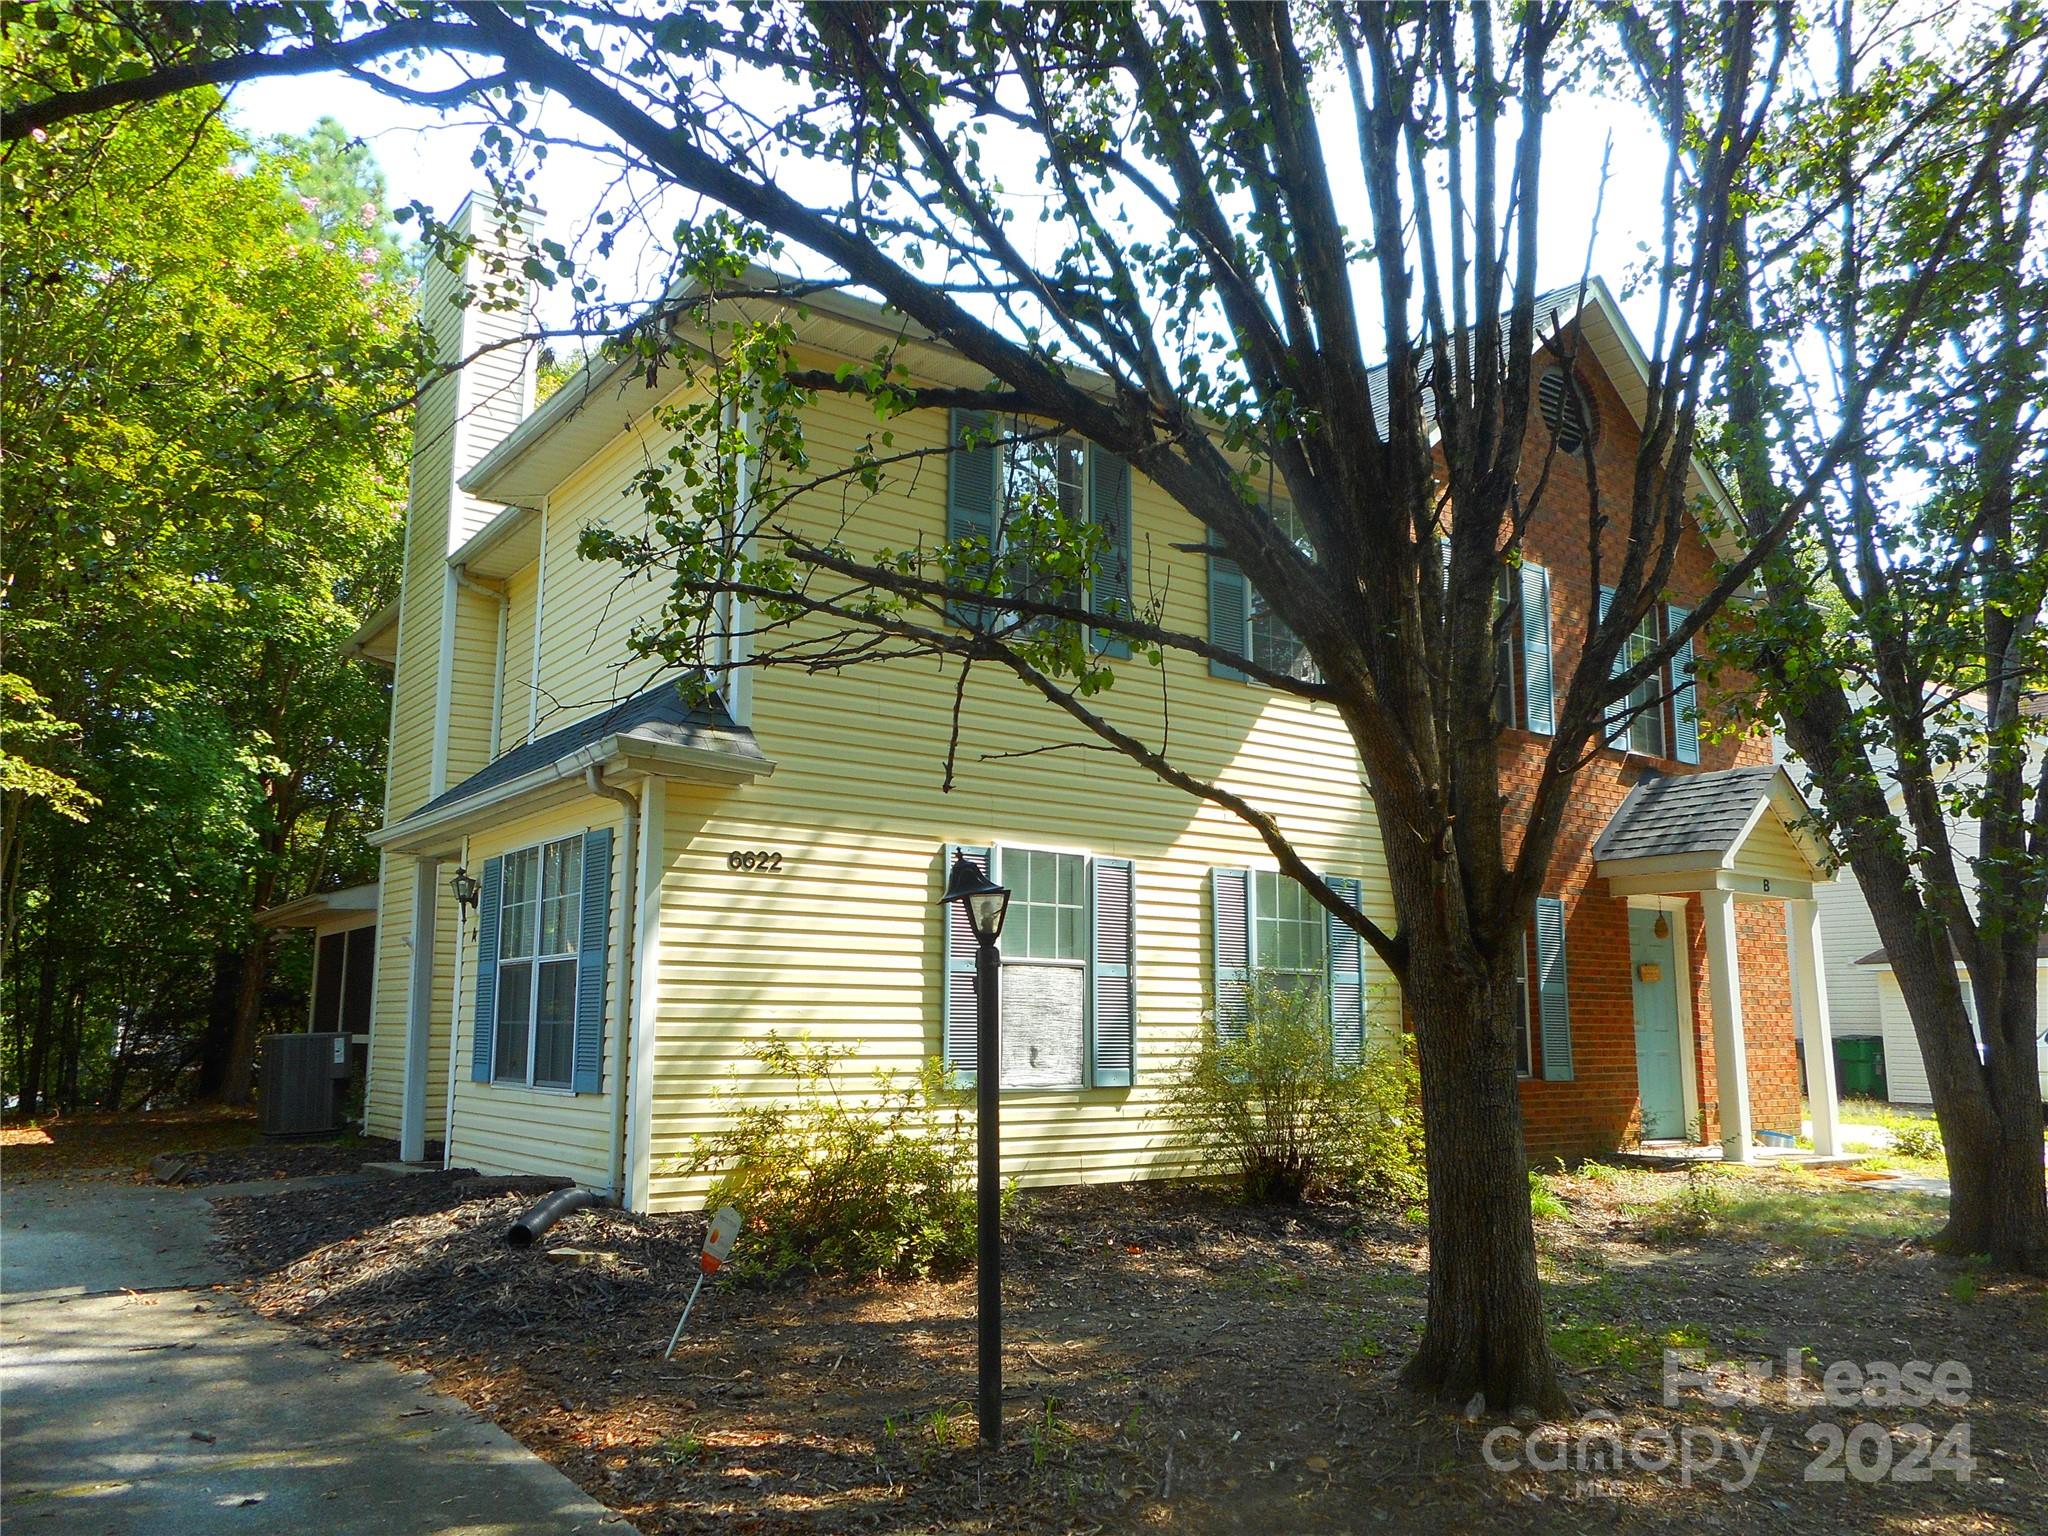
column 656, row 731
column 610, row 395
column 1704, row 813
column 1704, row 823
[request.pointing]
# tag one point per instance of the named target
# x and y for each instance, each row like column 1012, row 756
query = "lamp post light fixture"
column 466, row 887
column 984, row 903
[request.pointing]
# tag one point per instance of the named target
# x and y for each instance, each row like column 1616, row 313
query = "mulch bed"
column 1173, row 1361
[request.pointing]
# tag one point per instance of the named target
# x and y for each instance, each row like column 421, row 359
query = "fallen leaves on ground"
column 1173, row 1360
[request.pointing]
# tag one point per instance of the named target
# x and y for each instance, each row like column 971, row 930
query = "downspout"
column 465, row 580
column 622, row 994
column 454, row 1020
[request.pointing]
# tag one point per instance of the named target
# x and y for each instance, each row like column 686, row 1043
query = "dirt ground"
column 1175, row 1361
column 184, row 1146
column 108, row 1146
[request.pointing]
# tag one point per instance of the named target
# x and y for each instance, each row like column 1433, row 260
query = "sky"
column 427, row 156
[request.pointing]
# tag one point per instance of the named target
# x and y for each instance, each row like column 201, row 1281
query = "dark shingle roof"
column 1685, row 813
column 1883, row 957
column 659, row 716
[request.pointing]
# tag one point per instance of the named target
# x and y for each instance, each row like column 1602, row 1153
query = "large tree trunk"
column 42, row 1021
column 217, row 1038
column 1998, row 1200
column 71, row 1037
column 1989, row 1113
column 240, row 1076
column 1484, row 1336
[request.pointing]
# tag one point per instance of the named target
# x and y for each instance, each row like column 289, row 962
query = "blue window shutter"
column 974, row 490
column 1618, row 710
column 1109, row 508
column 957, row 1034
column 1113, row 1012
column 1541, row 713
column 1229, row 614
column 1684, row 696
column 1230, row 903
column 593, row 961
column 1346, row 990
column 484, row 1027
column 1552, row 1003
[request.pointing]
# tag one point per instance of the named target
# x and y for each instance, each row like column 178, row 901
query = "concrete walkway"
column 136, row 1399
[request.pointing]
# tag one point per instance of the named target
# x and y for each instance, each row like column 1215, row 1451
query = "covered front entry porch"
column 1724, row 840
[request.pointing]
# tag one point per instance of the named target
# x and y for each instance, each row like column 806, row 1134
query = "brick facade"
column 1597, row 1110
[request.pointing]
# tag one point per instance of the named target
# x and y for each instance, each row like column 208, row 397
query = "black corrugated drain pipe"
column 526, row 1231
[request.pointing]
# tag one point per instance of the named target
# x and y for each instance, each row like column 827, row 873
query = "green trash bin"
column 1859, row 1067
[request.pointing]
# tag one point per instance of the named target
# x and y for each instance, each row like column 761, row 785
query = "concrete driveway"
column 136, row 1399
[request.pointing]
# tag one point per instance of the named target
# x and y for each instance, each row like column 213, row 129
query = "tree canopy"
column 206, row 363
column 1904, row 643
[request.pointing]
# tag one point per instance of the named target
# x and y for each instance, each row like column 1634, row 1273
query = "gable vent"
column 1565, row 410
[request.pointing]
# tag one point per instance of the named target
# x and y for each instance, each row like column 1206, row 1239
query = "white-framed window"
column 1268, row 640
column 1290, row 934
column 1041, row 476
column 1646, row 724
column 539, row 916
column 1044, row 951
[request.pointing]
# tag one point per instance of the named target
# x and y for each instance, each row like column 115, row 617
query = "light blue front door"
column 1659, row 1076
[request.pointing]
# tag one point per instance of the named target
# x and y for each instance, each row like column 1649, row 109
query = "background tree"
column 1902, row 639
column 342, row 195
column 1238, row 207
column 203, row 428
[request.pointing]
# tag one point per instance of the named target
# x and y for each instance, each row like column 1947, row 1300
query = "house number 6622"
column 753, row 859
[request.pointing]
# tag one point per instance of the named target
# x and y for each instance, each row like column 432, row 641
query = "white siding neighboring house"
column 1863, row 996
column 1905, row 1072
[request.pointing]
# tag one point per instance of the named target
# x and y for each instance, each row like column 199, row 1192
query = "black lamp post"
column 985, row 903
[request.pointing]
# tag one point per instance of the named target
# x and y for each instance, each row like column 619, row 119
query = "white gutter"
column 622, row 993
column 699, row 765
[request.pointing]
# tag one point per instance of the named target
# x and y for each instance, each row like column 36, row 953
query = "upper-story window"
column 1659, row 716
column 1645, row 700
column 1041, row 476
column 997, row 470
column 1268, row 640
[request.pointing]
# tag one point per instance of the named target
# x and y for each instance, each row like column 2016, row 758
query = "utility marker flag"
column 719, row 1234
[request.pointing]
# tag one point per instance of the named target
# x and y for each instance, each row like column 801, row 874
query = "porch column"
column 1804, row 917
column 1731, row 1056
column 419, row 1015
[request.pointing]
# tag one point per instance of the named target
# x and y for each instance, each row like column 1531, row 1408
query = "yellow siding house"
column 662, row 886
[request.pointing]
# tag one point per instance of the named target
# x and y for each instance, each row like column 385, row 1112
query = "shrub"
column 1276, row 1108
column 1918, row 1139
column 878, row 1183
